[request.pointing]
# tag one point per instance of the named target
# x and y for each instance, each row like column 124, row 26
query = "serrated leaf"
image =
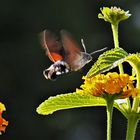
column 108, row 60
column 67, row 101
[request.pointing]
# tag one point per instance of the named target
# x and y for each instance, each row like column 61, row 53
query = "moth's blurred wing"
column 71, row 49
column 52, row 46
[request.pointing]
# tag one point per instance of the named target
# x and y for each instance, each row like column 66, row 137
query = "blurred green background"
column 22, row 60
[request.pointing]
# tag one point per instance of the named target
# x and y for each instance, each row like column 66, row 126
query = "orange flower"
column 3, row 122
column 111, row 83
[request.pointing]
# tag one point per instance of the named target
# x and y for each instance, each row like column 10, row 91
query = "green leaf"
column 108, row 60
column 122, row 107
column 67, row 101
column 134, row 61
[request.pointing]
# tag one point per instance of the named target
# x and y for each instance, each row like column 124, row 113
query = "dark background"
column 22, row 60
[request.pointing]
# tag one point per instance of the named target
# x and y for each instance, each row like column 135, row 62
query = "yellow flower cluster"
column 111, row 83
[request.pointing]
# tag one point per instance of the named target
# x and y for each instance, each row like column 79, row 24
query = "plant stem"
column 136, row 100
column 109, row 117
column 133, row 119
column 116, row 42
column 115, row 34
column 131, row 127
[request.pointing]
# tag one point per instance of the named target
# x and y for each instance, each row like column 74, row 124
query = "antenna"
column 83, row 44
column 98, row 51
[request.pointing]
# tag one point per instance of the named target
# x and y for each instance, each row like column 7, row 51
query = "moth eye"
column 63, row 67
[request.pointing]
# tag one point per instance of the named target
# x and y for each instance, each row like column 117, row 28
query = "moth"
column 65, row 54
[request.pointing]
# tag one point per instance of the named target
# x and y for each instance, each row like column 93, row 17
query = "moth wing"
column 52, row 46
column 71, row 49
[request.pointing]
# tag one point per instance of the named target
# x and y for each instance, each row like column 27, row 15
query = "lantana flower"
column 3, row 122
column 113, row 15
column 120, row 85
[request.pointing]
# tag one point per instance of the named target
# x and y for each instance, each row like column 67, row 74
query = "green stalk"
column 133, row 118
column 136, row 100
column 109, row 110
column 131, row 127
column 116, row 42
column 115, row 34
